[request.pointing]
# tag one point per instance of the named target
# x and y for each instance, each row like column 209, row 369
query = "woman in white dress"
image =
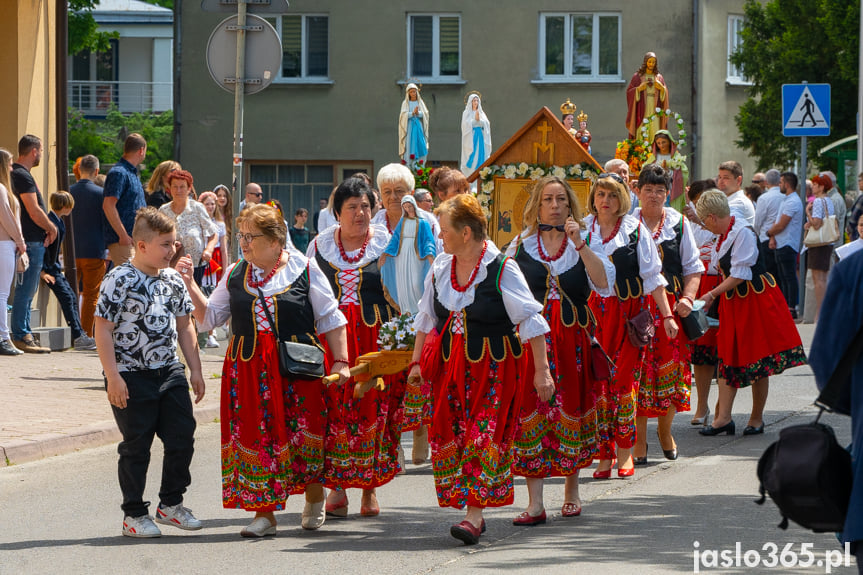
column 475, row 135
column 413, row 127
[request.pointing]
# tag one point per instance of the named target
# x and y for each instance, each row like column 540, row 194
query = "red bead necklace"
column 344, row 254
column 725, row 235
column 256, row 284
column 661, row 224
column 542, row 254
column 454, row 280
column 613, row 232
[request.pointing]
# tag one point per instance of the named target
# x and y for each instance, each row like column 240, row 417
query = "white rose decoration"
column 658, row 110
column 487, row 187
column 668, row 112
column 509, row 172
column 483, row 173
column 559, row 172
column 522, row 169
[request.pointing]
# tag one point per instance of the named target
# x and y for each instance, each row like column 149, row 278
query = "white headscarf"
column 467, row 119
column 404, row 114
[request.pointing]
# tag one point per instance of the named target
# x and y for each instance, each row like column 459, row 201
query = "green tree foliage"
column 104, row 138
column 787, row 42
column 84, row 33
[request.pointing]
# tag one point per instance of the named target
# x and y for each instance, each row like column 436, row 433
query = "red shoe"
column 526, row 520
column 570, row 510
column 602, row 474
column 465, row 532
column 338, row 509
column 626, row 472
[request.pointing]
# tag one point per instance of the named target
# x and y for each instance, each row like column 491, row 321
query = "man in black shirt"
column 38, row 233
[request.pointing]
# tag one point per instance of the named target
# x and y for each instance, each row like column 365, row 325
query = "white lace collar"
column 628, row 225
column 450, row 298
column 559, row 266
column 669, row 228
column 325, row 244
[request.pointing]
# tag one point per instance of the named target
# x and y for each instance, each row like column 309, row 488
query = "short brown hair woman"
column 271, row 425
column 638, row 275
column 474, row 300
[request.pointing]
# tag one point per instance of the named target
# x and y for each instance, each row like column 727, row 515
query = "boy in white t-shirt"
column 142, row 313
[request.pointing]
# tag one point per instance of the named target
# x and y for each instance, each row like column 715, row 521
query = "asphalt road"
column 61, row 515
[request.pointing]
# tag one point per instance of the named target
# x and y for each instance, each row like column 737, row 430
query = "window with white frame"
column 579, row 46
column 735, row 41
column 305, row 46
column 434, row 46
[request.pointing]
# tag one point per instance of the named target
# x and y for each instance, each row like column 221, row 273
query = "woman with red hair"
column 195, row 230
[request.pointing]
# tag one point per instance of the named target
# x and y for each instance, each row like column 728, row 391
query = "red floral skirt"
column 363, row 436
column 558, row 437
column 616, row 398
column 757, row 337
column 666, row 376
column 474, row 421
column 704, row 348
column 272, row 431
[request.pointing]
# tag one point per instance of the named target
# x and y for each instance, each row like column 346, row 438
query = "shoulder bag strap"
column 273, row 325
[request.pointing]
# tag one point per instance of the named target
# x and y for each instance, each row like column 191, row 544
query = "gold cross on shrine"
column 545, row 146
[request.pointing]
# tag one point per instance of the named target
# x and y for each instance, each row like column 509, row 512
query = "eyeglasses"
column 757, row 181
column 258, row 194
column 614, row 177
column 248, row 238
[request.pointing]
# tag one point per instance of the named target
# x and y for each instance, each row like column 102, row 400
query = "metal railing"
column 95, row 98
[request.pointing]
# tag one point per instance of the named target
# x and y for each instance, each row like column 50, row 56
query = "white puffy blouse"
column 649, row 262
column 324, row 304
column 521, row 308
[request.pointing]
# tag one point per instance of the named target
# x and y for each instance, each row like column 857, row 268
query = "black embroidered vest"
column 627, row 281
column 672, row 266
column 760, row 275
column 572, row 286
column 293, row 315
column 486, row 323
column 370, row 291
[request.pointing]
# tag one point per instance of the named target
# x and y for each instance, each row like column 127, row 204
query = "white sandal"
column 260, row 527
column 314, row 515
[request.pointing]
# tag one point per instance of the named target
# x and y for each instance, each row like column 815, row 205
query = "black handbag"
column 806, row 472
column 296, row 360
column 640, row 328
column 695, row 324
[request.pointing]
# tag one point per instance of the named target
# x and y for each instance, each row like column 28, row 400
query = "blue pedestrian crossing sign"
column 805, row 110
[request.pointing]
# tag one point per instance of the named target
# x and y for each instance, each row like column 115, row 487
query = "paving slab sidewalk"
column 56, row 403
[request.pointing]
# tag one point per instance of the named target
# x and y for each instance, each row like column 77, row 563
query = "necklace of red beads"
column 658, row 231
column 725, row 235
column 256, row 284
column 613, row 232
column 546, row 258
column 344, row 254
column 454, row 280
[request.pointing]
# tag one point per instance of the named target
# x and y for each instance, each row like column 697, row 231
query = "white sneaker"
column 211, row 342
column 178, row 516
column 142, row 526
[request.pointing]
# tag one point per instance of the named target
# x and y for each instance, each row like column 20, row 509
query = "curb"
column 51, row 444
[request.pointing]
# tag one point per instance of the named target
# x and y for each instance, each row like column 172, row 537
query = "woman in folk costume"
column 363, row 437
column 638, row 275
column 757, row 337
column 408, row 258
column 273, row 426
column 475, row 135
column 557, row 438
column 666, row 377
column 413, row 127
column 475, row 316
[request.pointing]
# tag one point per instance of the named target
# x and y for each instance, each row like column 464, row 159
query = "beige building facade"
column 333, row 108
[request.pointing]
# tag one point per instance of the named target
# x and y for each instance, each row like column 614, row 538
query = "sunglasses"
column 549, row 227
column 614, row 177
